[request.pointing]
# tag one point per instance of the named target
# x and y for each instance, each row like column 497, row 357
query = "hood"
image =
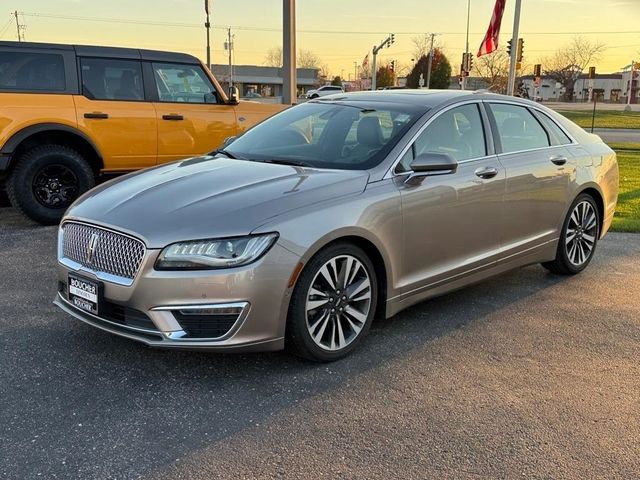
column 209, row 197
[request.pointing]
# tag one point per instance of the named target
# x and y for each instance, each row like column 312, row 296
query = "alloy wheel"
column 338, row 302
column 55, row 186
column 581, row 234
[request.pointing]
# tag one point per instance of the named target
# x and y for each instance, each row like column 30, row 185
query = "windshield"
column 327, row 135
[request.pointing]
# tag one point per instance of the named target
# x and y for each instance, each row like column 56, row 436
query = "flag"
column 365, row 62
column 490, row 42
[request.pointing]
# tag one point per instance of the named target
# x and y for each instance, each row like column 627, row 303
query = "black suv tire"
column 46, row 180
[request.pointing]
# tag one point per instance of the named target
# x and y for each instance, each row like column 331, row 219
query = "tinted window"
column 31, row 71
column 558, row 137
column 518, row 128
column 106, row 79
column 183, row 83
column 458, row 132
column 327, row 135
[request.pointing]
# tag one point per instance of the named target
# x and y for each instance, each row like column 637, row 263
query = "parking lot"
column 528, row 375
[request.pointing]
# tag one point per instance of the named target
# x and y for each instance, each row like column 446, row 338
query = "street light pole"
column 514, row 49
column 207, row 9
column 387, row 42
column 289, row 73
column 463, row 84
column 430, row 61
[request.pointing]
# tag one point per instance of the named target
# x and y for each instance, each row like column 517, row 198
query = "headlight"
column 218, row 253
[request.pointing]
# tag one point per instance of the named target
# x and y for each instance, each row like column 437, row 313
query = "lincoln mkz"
column 303, row 229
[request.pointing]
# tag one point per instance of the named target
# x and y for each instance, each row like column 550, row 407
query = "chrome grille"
column 113, row 253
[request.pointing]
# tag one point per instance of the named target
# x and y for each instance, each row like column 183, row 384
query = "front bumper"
column 258, row 291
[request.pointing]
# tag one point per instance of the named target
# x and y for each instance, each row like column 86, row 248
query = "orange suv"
column 70, row 113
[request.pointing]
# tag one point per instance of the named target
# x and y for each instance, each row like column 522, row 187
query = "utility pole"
column 207, row 25
column 514, row 50
column 627, row 108
column 19, row 28
column 463, row 84
column 387, row 42
column 289, row 73
column 229, row 47
column 433, row 35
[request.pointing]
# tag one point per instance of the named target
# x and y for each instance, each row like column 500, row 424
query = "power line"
column 6, row 27
column 310, row 31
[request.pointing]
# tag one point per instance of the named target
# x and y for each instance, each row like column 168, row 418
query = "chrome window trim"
column 538, row 109
column 104, row 276
column 391, row 173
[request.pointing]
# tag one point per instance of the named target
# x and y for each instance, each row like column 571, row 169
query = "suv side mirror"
column 431, row 163
column 234, row 95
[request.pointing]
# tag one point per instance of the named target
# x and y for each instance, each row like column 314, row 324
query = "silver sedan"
column 301, row 231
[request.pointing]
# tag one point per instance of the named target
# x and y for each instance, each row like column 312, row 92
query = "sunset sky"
column 338, row 31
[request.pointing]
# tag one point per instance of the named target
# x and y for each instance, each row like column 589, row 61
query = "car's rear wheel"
column 333, row 304
column 580, row 233
column 46, row 180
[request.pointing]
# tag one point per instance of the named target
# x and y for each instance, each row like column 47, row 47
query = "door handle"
column 559, row 160
column 172, row 116
column 96, row 115
column 486, row 172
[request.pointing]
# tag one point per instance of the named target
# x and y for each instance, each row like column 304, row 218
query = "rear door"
column 113, row 112
column 538, row 174
column 452, row 222
column 192, row 119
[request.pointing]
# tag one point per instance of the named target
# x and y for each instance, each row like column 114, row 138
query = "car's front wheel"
column 580, row 233
column 333, row 304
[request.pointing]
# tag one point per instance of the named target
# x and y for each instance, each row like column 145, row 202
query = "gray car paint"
column 427, row 237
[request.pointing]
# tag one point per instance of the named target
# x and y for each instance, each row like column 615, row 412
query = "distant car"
column 253, row 95
column 306, row 226
column 325, row 90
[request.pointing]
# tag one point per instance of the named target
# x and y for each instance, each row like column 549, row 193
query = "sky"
column 340, row 32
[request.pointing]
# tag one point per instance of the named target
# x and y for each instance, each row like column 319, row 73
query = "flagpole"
column 514, row 49
column 463, row 84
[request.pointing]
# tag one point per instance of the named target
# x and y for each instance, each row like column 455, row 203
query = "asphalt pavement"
column 617, row 135
column 528, row 375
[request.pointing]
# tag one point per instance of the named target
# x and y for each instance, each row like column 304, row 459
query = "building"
column 254, row 80
column 609, row 87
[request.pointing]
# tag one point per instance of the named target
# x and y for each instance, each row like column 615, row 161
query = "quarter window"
column 518, row 128
column 107, row 79
column 32, row 71
column 558, row 137
column 183, row 84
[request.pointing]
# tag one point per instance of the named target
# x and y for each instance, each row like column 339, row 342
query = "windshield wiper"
column 226, row 153
column 286, row 161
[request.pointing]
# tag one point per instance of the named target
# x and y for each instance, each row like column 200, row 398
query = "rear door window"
column 558, row 137
column 518, row 129
column 43, row 72
column 107, row 79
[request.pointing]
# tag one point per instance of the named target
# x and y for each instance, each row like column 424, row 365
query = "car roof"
column 426, row 98
column 107, row 52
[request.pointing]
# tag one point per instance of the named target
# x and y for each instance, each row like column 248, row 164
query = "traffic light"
column 592, row 73
column 537, row 70
column 520, row 50
column 509, row 47
column 392, row 66
column 469, row 61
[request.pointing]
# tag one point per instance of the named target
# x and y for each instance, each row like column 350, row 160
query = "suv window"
column 518, row 128
column 458, row 132
column 32, row 71
column 558, row 137
column 107, row 79
column 183, row 84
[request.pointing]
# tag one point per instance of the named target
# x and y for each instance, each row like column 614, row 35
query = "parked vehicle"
column 324, row 90
column 331, row 212
column 69, row 113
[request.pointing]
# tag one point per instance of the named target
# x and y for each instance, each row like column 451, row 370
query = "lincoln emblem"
column 91, row 249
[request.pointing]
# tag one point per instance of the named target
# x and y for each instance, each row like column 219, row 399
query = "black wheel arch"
column 597, row 196
column 52, row 133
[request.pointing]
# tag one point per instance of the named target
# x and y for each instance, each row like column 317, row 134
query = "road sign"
column 537, row 82
column 421, row 80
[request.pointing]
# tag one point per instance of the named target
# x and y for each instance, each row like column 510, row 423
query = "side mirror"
column 431, row 163
column 234, row 95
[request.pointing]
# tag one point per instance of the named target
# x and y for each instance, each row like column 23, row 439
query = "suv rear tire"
column 46, row 180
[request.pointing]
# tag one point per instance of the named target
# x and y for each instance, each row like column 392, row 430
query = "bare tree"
column 494, row 70
column 566, row 65
column 305, row 58
column 421, row 46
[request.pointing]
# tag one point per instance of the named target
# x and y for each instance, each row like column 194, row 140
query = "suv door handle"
column 486, row 172
column 558, row 160
column 96, row 115
column 172, row 116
